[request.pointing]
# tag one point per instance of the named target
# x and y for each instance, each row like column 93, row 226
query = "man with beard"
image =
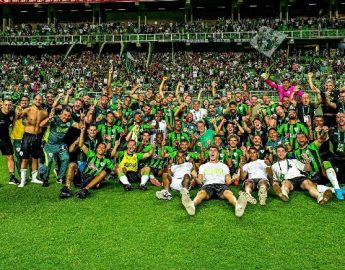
column 292, row 128
column 55, row 145
column 339, row 104
column 279, row 118
column 32, row 139
column 305, row 109
column 290, row 174
column 215, row 178
column 319, row 169
column 333, row 95
column 337, row 139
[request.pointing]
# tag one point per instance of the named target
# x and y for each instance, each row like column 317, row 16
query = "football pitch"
column 113, row 229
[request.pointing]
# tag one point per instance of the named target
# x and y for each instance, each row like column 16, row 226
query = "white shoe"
column 164, row 195
column 36, row 181
column 22, row 184
column 240, row 205
column 249, row 197
column 325, row 197
column 187, row 202
column 262, row 196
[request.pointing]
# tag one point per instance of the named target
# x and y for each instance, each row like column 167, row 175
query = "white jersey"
column 287, row 169
column 214, row 173
column 179, row 170
column 256, row 169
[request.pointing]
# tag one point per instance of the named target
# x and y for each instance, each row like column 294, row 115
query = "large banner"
column 6, row 2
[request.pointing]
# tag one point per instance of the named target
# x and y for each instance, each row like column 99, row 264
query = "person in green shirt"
column 319, row 169
column 96, row 168
column 204, row 136
column 54, row 138
column 292, row 128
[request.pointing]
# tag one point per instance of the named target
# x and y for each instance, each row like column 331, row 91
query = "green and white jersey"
column 156, row 160
column 235, row 155
column 57, row 130
column 172, row 136
column 109, row 134
column 292, row 130
column 94, row 164
column 312, row 150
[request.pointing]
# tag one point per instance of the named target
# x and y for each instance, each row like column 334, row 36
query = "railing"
column 162, row 37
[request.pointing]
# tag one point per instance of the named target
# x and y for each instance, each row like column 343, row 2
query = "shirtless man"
column 31, row 144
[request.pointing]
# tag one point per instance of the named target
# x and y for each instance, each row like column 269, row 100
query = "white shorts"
column 176, row 183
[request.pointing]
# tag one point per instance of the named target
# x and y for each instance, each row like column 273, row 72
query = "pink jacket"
column 282, row 92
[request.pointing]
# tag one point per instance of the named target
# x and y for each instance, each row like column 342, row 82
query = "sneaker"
column 155, row 182
column 82, row 193
column 248, row 197
column 262, row 196
column 60, row 181
column 163, row 195
column 13, row 181
column 45, row 182
column 65, row 192
column 143, row 187
column 339, row 194
column 342, row 190
column 325, row 197
column 281, row 193
column 127, row 187
column 187, row 202
column 22, row 184
column 36, row 181
column 241, row 205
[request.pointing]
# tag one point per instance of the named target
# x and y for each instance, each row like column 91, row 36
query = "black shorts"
column 31, row 146
column 319, row 179
column 133, row 177
column 6, row 147
column 215, row 190
column 256, row 181
column 297, row 181
column 85, row 179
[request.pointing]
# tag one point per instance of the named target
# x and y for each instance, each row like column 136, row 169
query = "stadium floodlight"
column 312, row 4
column 121, row 9
column 161, row 8
column 221, row 7
column 24, row 11
column 200, row 7
column 253, row 6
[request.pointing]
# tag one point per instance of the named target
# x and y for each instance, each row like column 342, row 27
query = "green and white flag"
column 267, row 40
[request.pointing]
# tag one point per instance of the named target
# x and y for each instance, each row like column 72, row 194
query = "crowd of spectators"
column 196, row 71
column 131, row 27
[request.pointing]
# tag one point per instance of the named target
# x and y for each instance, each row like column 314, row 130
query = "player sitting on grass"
column 290, row 173
column 215, row 178
column 178, row 177
column 257, row 171
column 96, row 168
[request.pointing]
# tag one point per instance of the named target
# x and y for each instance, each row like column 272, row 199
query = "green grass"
column 112, row 229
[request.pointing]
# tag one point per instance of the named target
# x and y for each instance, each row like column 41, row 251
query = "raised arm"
column 161, row 87
column 177, row 93
column 109, row 79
